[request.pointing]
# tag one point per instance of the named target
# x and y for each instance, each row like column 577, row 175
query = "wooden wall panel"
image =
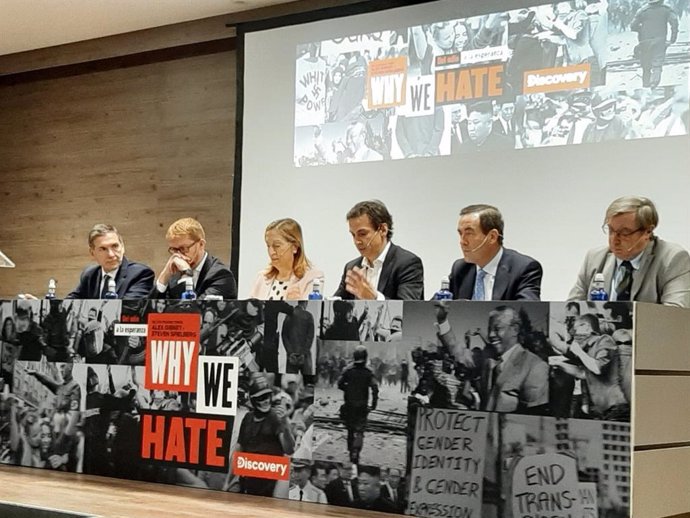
column 661, row 483
column 662, row 338
column 662, row 410
column 137, row 147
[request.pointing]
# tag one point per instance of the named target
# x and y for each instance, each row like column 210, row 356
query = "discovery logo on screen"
column 555, row 79
column 261, row 466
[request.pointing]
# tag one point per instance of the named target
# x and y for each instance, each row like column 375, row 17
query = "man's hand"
column 441, row 311
column 357, row 284
column 176, row 263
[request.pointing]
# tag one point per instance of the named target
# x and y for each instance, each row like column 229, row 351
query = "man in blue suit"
column 488, row 271
column 132, row 280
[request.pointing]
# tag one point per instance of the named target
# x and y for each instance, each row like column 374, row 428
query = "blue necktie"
column 478, row 293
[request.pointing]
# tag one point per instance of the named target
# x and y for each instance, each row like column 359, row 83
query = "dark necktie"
column 301, row 494
column 105, row 286
column 624, row 281
column 496, row 371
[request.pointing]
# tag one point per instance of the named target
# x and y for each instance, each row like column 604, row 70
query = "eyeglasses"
column 620, row 233
column 184, row 250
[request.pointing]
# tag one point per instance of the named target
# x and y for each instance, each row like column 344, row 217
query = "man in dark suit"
column 392, row 489
column 504, row 123
column 370, row 495
column 132, row 280
column 188, row 258
column 384, row 270
column 343, row 490
column 489, row 271
column 477, row 132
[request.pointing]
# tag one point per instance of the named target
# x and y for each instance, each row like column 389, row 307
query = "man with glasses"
column 637, row 265
column 188, row 258
column 132, row 280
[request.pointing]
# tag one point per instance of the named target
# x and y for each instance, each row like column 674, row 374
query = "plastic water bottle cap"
column 599, row 277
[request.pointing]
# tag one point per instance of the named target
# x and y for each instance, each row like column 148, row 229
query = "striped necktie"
column 624, row 281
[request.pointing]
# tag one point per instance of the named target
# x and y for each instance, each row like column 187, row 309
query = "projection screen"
column 547, row 111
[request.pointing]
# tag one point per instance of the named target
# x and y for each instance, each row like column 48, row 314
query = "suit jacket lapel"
column 121, row 277
column 502, row 278
column 608, row 269
column 386, row 269
column 512, row 366
column 639, row 275
column 95, row 284
column 202, row 274
column 467, row 283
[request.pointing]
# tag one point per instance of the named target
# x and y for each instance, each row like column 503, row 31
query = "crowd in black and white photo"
column 637, row 53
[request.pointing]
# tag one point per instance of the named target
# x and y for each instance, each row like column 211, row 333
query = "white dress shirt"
column 490, row 270
column 112, row 274
column 310, row 493
column 373, row 271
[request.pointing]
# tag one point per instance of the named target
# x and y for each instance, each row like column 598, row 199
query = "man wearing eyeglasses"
column 132, row 280
column 637, row 265
column 188, row 258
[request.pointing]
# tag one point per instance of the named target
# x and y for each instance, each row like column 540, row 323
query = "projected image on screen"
column 555, row 74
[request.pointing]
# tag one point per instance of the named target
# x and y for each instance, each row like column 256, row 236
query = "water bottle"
column 444, row 293
column 598, row 291
column 52, row 285
column 188, row 293
column 111, row 293
column 316, row 291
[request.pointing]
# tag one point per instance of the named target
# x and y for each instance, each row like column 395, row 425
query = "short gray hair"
column 102, row 229
column 646, row 215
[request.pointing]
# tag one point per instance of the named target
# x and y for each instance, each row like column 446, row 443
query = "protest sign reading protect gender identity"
column 448, row 463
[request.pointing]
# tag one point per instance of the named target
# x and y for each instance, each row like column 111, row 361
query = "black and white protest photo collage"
column 492, row 409
column 575, row 72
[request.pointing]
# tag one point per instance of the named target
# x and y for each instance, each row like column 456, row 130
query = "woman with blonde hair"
column 289, row 275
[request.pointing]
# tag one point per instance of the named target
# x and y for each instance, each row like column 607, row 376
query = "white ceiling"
column 34, row 24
